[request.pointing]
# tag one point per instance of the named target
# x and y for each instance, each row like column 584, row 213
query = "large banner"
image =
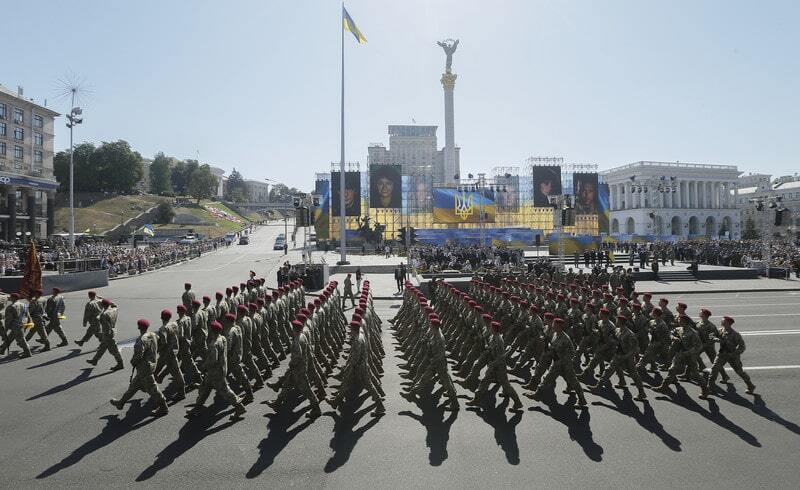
column 499, row 237
column 462, row 206
column 546, row 183
column 603, row 208
column 507, row 192
column 572, row 244
column 385, row 186
column 419, row 193
column 352, row 193
column 322, row 213
column 584, row 186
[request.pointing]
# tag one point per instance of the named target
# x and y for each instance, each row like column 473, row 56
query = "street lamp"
column 73, row 120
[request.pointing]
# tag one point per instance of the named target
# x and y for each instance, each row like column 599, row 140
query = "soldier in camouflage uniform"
column 54, row 309
column 36, row 310
column 245, row 323
column 624, row 359
column 708, row 335
column 215, row 367
column 356, row 373
column 731, row 347
column 436, row 368
column 689, row 348
column 659, row 342
column 108, row 327
column 188, row 296
column 91, row 319
column 233, row 335
column 562, row 365
column 168, row 346
column 145, row 356
column 296, row 374
column 496, row 371
column 185, row 347
column 16, row 315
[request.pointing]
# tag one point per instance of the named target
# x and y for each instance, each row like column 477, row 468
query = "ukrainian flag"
column 454, row 206
column 349, row 25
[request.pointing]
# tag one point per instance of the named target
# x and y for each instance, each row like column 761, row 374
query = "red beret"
column 187, row 285
column 665, row 300
column 496, row 326
column 604, row 310
column 623, row 301
column 196, row 302
column 558, row 321
column 143, row 324
column 181, row 309
column 317, row 301
column 355, row 324
column 305, row 311
column 573, row 300
column 260, row 301
column 534, row 308
column 106, row 302
column 622, row 317
column 228, row 290
column 704, row 311
column 657, row 311
column 302, row 317
column 252, row 306
column 92, row 294
column 297, row 324
column 682, row 305
column 166, row 314
column 207, row 299
column 637, row 306
column 230, row 317
column 728, row 319
column 14, row 296
column 436, row 322
column 56, row 290
column 216, row 326
column 487, row 316
column 235, row 289
column 479, row 308
column 548, row 315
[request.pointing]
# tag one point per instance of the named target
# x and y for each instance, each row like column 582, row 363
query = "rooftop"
column 30, row 101
column 676, row 165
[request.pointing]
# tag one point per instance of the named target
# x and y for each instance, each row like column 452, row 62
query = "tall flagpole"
column 342, row 227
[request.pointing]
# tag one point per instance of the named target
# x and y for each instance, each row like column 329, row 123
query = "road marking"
column 765, row 368
column 751, row 333
column 749, row 305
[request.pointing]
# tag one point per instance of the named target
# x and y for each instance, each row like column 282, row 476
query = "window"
column 19, row 115
column 38, row 122
column 19, row 134
column 37, row 156
column 38, row 139
column 18, row 154
column 2, row 149
column 2, row 129
column 2, row 111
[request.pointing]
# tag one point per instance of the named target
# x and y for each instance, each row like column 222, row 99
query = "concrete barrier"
column 76, row 281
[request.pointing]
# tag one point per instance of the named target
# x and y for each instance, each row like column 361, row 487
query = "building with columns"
column 761, row 187
column 27, row 184
column 688, row 200
column 413, row 147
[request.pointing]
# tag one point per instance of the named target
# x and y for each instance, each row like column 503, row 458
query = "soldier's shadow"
column 279, row 435
column 759, row 407
column 345, row 435
column 83, row 377
column 437, row 427
column 578, row 424
column 72, row 353
column 646, row 417
column 135, row 418
column 192, row 432
column 683, row 399
column 504, row 429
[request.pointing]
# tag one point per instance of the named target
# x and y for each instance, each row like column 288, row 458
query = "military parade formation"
column 546, row 327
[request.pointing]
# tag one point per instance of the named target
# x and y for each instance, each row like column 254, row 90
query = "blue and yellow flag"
column 461, row 206
column 349, row 25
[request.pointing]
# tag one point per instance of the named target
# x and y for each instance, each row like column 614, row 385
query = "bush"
column 164, row 213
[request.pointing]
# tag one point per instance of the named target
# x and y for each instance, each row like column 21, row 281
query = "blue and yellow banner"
column 603, row 208
column 462, row 206
column 350, row 26
column 572, row 244
column 322, row 213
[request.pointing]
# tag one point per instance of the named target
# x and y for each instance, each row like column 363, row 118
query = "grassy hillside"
column 106, row 214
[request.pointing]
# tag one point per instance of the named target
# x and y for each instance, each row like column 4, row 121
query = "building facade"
column 258, row 192
column 688, row 200
column 754, row 188
column 27, row 184
column 413, row 147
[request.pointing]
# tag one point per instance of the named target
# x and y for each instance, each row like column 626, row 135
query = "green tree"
column 178, row 178
column 120, row 167
column 202, row 183
column 750, row 232
column 235, row 188
column 160, row 174
column 164, row 213
column 282, row 193
column 86, row 174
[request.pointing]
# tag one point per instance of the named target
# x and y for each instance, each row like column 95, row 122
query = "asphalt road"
column 58, row 429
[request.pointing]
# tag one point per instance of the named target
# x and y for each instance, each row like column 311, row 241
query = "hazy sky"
column 255, row 84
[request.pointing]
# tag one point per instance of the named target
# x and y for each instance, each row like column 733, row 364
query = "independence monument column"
column 448, row 83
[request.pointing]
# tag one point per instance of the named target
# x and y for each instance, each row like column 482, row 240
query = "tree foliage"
column 120, row 167
column 164, row 213
column 750, row 232
column 202, row 183
column 160, row 174
column 282, row 193
column 235, row 188
column 86, row 175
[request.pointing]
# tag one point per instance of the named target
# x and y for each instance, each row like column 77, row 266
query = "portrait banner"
column 584, row 187
column 322, row 213
column 462, row 206
column 352, row 193
column 546, row 183
column 507, row 192
column 604, row 208
column 385, row 186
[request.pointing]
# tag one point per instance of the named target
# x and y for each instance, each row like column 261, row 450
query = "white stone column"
column 628, row 196
column 450, row 168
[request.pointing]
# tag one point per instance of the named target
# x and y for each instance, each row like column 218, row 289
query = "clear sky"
column 255, row 84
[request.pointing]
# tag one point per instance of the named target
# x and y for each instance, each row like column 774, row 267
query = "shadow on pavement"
column 759, row 407
column 683, row 399
column 81, row 378
column 646, row 417
column 192, row 432
column 278, row 436
column 437, row 427
column 72, row 353
column 504, row 429
column 135, row 418
column 345, row 438
column 577, row 423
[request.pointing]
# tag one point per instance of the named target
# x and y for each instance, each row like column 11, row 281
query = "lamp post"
column 73, row 120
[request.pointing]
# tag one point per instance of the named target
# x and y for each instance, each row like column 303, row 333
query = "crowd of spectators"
column 466, row 258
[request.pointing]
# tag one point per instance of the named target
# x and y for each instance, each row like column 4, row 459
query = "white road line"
column 748, row 305
column 751, row 333
column 765, row 368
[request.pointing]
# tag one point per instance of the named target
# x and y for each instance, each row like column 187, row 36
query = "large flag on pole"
column 32, row 280
column 350, row 26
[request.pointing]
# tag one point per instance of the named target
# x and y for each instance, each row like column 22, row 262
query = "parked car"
column 187, row 240
column 244, row 240
column 279, row 243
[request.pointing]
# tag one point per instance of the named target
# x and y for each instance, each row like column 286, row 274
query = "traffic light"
column 401, row 234
column 568, row 217
column 413, row 234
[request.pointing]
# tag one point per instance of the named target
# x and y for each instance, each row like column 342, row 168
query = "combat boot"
column 63, row 343
column 118, row 367
column 79, row 343
column 160, row 411
column 117, row 403
column 92, row 362
column 751, row 389
column 379, row 410
column 314, row 412
column 46, row 347
column 238, row 412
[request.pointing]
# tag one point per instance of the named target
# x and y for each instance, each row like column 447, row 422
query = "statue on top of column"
column 449, row 46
